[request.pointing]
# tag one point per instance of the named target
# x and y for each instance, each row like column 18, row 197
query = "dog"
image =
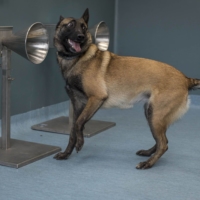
column 96, row 79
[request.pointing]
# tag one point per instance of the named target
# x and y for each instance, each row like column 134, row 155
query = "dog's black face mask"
column 73, row 33
column 73, row 36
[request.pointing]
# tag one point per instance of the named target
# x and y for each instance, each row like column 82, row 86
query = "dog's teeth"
column 69, row 41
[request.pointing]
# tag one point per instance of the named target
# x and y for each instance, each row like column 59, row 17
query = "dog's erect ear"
column 86, row 16
column 61, row 18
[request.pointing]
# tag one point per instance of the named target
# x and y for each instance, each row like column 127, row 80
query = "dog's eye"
column 84, row 27
column 70, row 24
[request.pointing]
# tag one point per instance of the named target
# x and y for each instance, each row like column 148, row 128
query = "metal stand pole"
column 6, row 80
column 15, row 153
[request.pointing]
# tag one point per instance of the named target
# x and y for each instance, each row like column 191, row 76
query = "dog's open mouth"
column 75, row 45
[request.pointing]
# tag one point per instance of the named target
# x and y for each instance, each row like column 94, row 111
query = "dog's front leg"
column 77, row 110
column 93, row 104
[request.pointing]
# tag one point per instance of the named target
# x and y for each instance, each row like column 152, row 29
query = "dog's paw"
column 61, row 156
column 143, row 153
column 144, row 165
column 79, row 145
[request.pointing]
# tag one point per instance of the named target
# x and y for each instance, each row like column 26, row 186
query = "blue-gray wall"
column 37, row 86
column 168, row 31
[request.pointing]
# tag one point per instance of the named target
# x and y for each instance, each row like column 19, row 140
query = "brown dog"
column 97, row 79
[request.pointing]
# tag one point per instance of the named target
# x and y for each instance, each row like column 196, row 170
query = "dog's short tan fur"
column 109, row 80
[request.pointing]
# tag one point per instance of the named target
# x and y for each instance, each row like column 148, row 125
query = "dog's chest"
column 74, row 82
column 75, row 90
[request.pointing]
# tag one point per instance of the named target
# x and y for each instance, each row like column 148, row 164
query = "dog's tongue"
column 75, row 46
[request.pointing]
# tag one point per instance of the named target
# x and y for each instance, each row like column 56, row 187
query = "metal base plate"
column 22, row 153
column 61, row 125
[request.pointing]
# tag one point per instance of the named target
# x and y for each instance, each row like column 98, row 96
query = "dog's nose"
column 80, row 37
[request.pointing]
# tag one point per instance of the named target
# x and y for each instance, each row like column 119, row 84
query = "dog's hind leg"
column 160, row 114
column 148, row 113
column 148, row 152
column 158, row 130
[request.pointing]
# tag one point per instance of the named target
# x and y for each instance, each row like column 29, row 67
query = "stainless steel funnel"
column 31, row 43
column 100, row 35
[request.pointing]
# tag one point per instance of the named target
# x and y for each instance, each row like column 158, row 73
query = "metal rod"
column 6, row 80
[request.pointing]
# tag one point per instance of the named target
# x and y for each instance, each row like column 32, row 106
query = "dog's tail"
column 193, row 84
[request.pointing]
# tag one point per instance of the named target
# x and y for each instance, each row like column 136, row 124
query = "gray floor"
column 105, row 168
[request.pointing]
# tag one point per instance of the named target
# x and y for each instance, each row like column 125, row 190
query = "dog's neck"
column 68, row 57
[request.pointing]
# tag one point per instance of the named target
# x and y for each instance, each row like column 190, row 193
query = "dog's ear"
column 61, row 18
column 86, row 16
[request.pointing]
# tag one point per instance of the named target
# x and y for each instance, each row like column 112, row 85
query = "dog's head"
column 72, row 36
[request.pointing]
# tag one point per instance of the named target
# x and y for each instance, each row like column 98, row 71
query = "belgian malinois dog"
column 97, row 79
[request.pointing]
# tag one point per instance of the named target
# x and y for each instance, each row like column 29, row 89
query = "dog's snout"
column 80, row 37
